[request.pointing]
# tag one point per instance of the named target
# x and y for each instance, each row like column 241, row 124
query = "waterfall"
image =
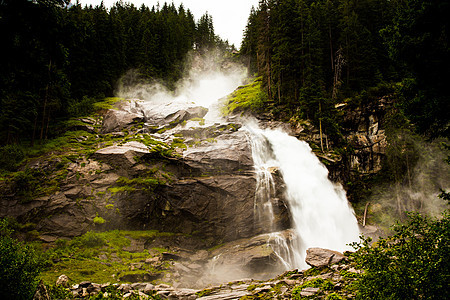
column 321, row 215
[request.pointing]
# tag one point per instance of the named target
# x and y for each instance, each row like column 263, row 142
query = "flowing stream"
column 321, row 215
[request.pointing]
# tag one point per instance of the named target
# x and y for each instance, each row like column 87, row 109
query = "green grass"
column 97, row 256
column 248, row 97
column 107, row 103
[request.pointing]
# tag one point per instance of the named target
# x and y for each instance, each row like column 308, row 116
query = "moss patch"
column 247, row 97
column 101, row 257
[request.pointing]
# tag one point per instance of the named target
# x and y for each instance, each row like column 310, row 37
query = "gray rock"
column 181, row 268
column 124, row 288
column 199, row 255
column 148, row 288
column 63, row 280
column 142, row 296
column 123, row 155
column 94, row 289
column 309, row 291
column 318, row 257
column 227, row 153
column 186, row 114
column 116, row 120
column 153, row 260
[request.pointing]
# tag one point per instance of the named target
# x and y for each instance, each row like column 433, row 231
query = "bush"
column 92, row 239
column 10, row 157
column 19, row 267
column 412, row 264
column 81, row 108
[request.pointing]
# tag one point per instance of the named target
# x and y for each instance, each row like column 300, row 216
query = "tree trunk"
column 34, row 130
column 365, row 213
column 320, row 126
column 44, row 109
column 279, row 87
column 331, row 48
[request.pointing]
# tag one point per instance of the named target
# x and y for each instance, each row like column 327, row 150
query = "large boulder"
column 186, row 114
column 218, row 206
column 123, row 156
column 166, row 113
column 254, row 257
column 319, row 257
column 226, row 153
column 118, row 119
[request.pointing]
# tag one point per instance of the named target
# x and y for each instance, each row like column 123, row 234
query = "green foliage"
column 334, row 296
column 96, row 256
column 98, row 220
column 84, row 107
column 90, row 239
column 178, row 143
column 246, row 98
column 146, row 183
column 445, row 196
column 412, row 264
column 296, row 293
column 58, row 292
column 59, row 60
column 10, row 157
column 204, row 292
column 19, row 267
column 312, row 55
column 416, row 40
column 27, row 184
column 323, row 284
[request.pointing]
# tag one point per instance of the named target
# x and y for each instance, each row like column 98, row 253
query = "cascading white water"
column 320, row 212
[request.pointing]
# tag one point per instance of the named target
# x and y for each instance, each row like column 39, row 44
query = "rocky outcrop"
column 363, row 128
column 226, row 153
column 151, row 167
column 124, row 115
column 366, row 134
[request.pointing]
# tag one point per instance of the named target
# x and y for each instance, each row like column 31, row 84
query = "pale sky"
column 229, row 16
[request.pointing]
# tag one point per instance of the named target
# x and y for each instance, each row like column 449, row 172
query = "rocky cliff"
column 142, row 166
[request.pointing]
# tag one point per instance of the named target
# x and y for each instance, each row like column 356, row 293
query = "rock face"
column 152, row 167
column 366, row 134
column 126, row 114
column 227, row 153
column 363, row 129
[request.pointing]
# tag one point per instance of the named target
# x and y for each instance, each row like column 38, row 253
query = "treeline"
column 58, row 57
column 313, row 54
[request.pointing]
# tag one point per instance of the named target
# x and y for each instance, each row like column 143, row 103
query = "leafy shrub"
column 80, row 108
column 412, row 264
column 10, row 157
column 99, row 220
column 92, row 239
column 334, row 296
column 58, row 292
column 19, row 267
